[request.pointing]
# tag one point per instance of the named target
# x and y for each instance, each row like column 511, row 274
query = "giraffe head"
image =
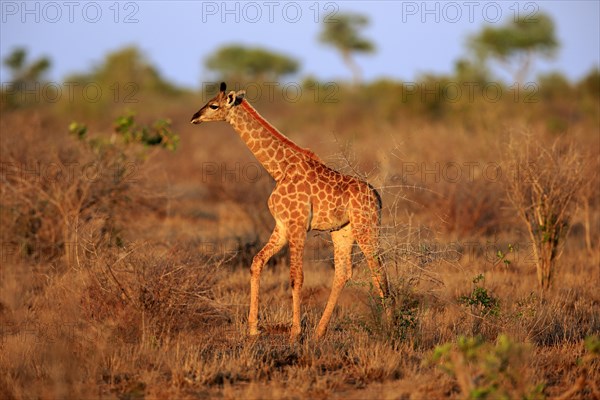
column 219, row 106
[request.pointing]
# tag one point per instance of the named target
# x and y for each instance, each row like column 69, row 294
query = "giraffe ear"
column 234, row 99
column 239, row 96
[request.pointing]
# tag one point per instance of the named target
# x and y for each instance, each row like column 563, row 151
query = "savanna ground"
column 125, row 268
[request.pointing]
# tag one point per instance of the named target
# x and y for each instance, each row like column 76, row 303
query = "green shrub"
column 486, row 370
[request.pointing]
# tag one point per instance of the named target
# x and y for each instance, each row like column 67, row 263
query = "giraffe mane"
column 273, row 131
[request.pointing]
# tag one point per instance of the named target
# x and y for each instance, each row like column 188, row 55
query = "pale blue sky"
column 412, row 37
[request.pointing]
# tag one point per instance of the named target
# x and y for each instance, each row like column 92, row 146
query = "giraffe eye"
column 213, row 106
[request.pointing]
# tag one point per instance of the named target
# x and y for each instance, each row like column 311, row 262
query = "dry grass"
column 161, row 312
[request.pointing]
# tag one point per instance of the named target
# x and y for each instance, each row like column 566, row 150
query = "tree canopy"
column 128, row 65
column 250, row 63
column 515, row 43
column 343, row 34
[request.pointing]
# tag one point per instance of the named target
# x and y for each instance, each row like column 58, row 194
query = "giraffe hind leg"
column 366, row 232
column 369, row 247
column 342, row 245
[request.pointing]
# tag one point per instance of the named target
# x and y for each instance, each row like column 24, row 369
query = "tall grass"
column 139, row 287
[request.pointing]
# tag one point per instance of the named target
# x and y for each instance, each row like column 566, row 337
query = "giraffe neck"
column 270, row 147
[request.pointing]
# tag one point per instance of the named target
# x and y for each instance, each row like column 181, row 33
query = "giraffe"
column 308, row 195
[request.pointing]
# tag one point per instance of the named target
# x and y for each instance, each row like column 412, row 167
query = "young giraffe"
column 308, row 195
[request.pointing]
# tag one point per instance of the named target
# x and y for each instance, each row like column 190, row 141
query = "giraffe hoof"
column 253, row 332
column 294, row 339
column 294, row 335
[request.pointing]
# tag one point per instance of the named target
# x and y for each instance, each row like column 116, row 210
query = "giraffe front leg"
column 296, row 281
column 275, row 243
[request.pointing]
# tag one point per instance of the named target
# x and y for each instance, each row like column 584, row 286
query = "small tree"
column 250, row 64
column 542, row 190
column 24, row 74
column 516, row 43
column 485, row 370
column 124, row 66
column 21, row 70
column 342, row 33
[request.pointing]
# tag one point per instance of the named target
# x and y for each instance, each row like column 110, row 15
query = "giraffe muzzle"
column 196, row 118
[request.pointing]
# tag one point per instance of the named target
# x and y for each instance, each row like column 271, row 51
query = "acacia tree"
column 515, row 44
column 235, row 62
column 343, row 34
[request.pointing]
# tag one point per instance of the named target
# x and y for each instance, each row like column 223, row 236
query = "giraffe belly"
column 329, row 219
